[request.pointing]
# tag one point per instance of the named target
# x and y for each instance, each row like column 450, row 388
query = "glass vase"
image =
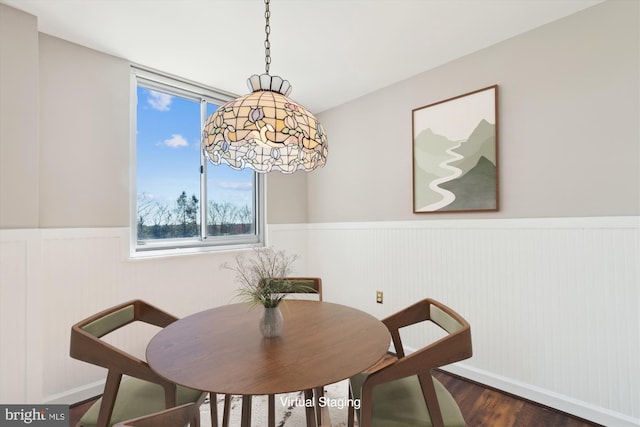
column 271, row 322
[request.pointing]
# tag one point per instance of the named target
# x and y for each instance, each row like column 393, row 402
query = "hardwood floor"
column 481, row 407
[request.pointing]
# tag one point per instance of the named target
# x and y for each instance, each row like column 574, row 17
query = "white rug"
column 290, row 411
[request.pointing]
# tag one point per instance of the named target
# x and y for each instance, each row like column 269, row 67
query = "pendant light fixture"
column 265, row 130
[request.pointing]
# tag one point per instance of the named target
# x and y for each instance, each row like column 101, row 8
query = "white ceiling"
column 331, row 51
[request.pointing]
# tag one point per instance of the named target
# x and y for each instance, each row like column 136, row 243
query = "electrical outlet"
column 379, row 297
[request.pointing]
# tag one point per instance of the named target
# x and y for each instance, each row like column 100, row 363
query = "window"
column 182, row 201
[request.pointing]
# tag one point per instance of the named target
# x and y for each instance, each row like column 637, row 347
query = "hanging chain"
column 267, row 44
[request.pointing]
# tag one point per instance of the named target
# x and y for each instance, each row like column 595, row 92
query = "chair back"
column 453, row 347
column 312, row 285
column 87, row 345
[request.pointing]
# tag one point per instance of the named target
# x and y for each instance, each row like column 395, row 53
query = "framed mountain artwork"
column 455, row 154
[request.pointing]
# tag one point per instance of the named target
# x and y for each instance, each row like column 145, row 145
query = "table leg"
column 226, row 412
column 272, row 410
column 213, row 406
column 318, row 392
column 310, row 409
column 246, row 411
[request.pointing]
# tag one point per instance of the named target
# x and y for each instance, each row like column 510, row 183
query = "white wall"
column 554, row 303
column 52, row 278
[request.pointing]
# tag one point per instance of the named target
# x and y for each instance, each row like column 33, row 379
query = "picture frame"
column 455, row 154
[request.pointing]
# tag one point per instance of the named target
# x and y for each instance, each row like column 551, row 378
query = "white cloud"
column 159, row 101
column 176, row 141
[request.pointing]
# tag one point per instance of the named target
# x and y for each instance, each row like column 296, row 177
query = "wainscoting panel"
column 13, row 255
column 553, row 303
column 52, row 278
column 20, row 345
column 91, row 284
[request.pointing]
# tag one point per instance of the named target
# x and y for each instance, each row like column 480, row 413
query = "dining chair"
column 313, row 285
column 142, row 391
column 178, row 416
column 404, row 392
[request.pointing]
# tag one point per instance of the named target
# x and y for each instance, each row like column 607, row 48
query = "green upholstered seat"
column 181, row 415
column 401, row 403
column 137, row 398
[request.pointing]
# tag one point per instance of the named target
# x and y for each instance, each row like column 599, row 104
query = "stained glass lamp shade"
column 265, row 131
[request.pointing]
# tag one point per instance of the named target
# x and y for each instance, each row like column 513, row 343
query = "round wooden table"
column 222, row 351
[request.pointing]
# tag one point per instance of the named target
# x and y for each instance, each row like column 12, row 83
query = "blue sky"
column 168, row 153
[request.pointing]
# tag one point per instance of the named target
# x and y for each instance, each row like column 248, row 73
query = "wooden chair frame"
column 87, row 346
column 453, row 347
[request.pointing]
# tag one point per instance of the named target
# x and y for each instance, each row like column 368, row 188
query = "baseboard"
column 544, row 397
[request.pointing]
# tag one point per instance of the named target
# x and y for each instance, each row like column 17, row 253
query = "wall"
column 84, row 137
column 64, row 237
column 18, row 119
column 52, row 278
column 553, row 302
column 554, row 317
column 568, row 126
column 287, row 195
column 65, row 136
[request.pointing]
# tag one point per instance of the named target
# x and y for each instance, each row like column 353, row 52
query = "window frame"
column 175, row 86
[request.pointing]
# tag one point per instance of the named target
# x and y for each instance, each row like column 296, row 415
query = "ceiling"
column 331, row 51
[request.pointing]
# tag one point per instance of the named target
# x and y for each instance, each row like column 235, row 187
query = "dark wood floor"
column 481, row 407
